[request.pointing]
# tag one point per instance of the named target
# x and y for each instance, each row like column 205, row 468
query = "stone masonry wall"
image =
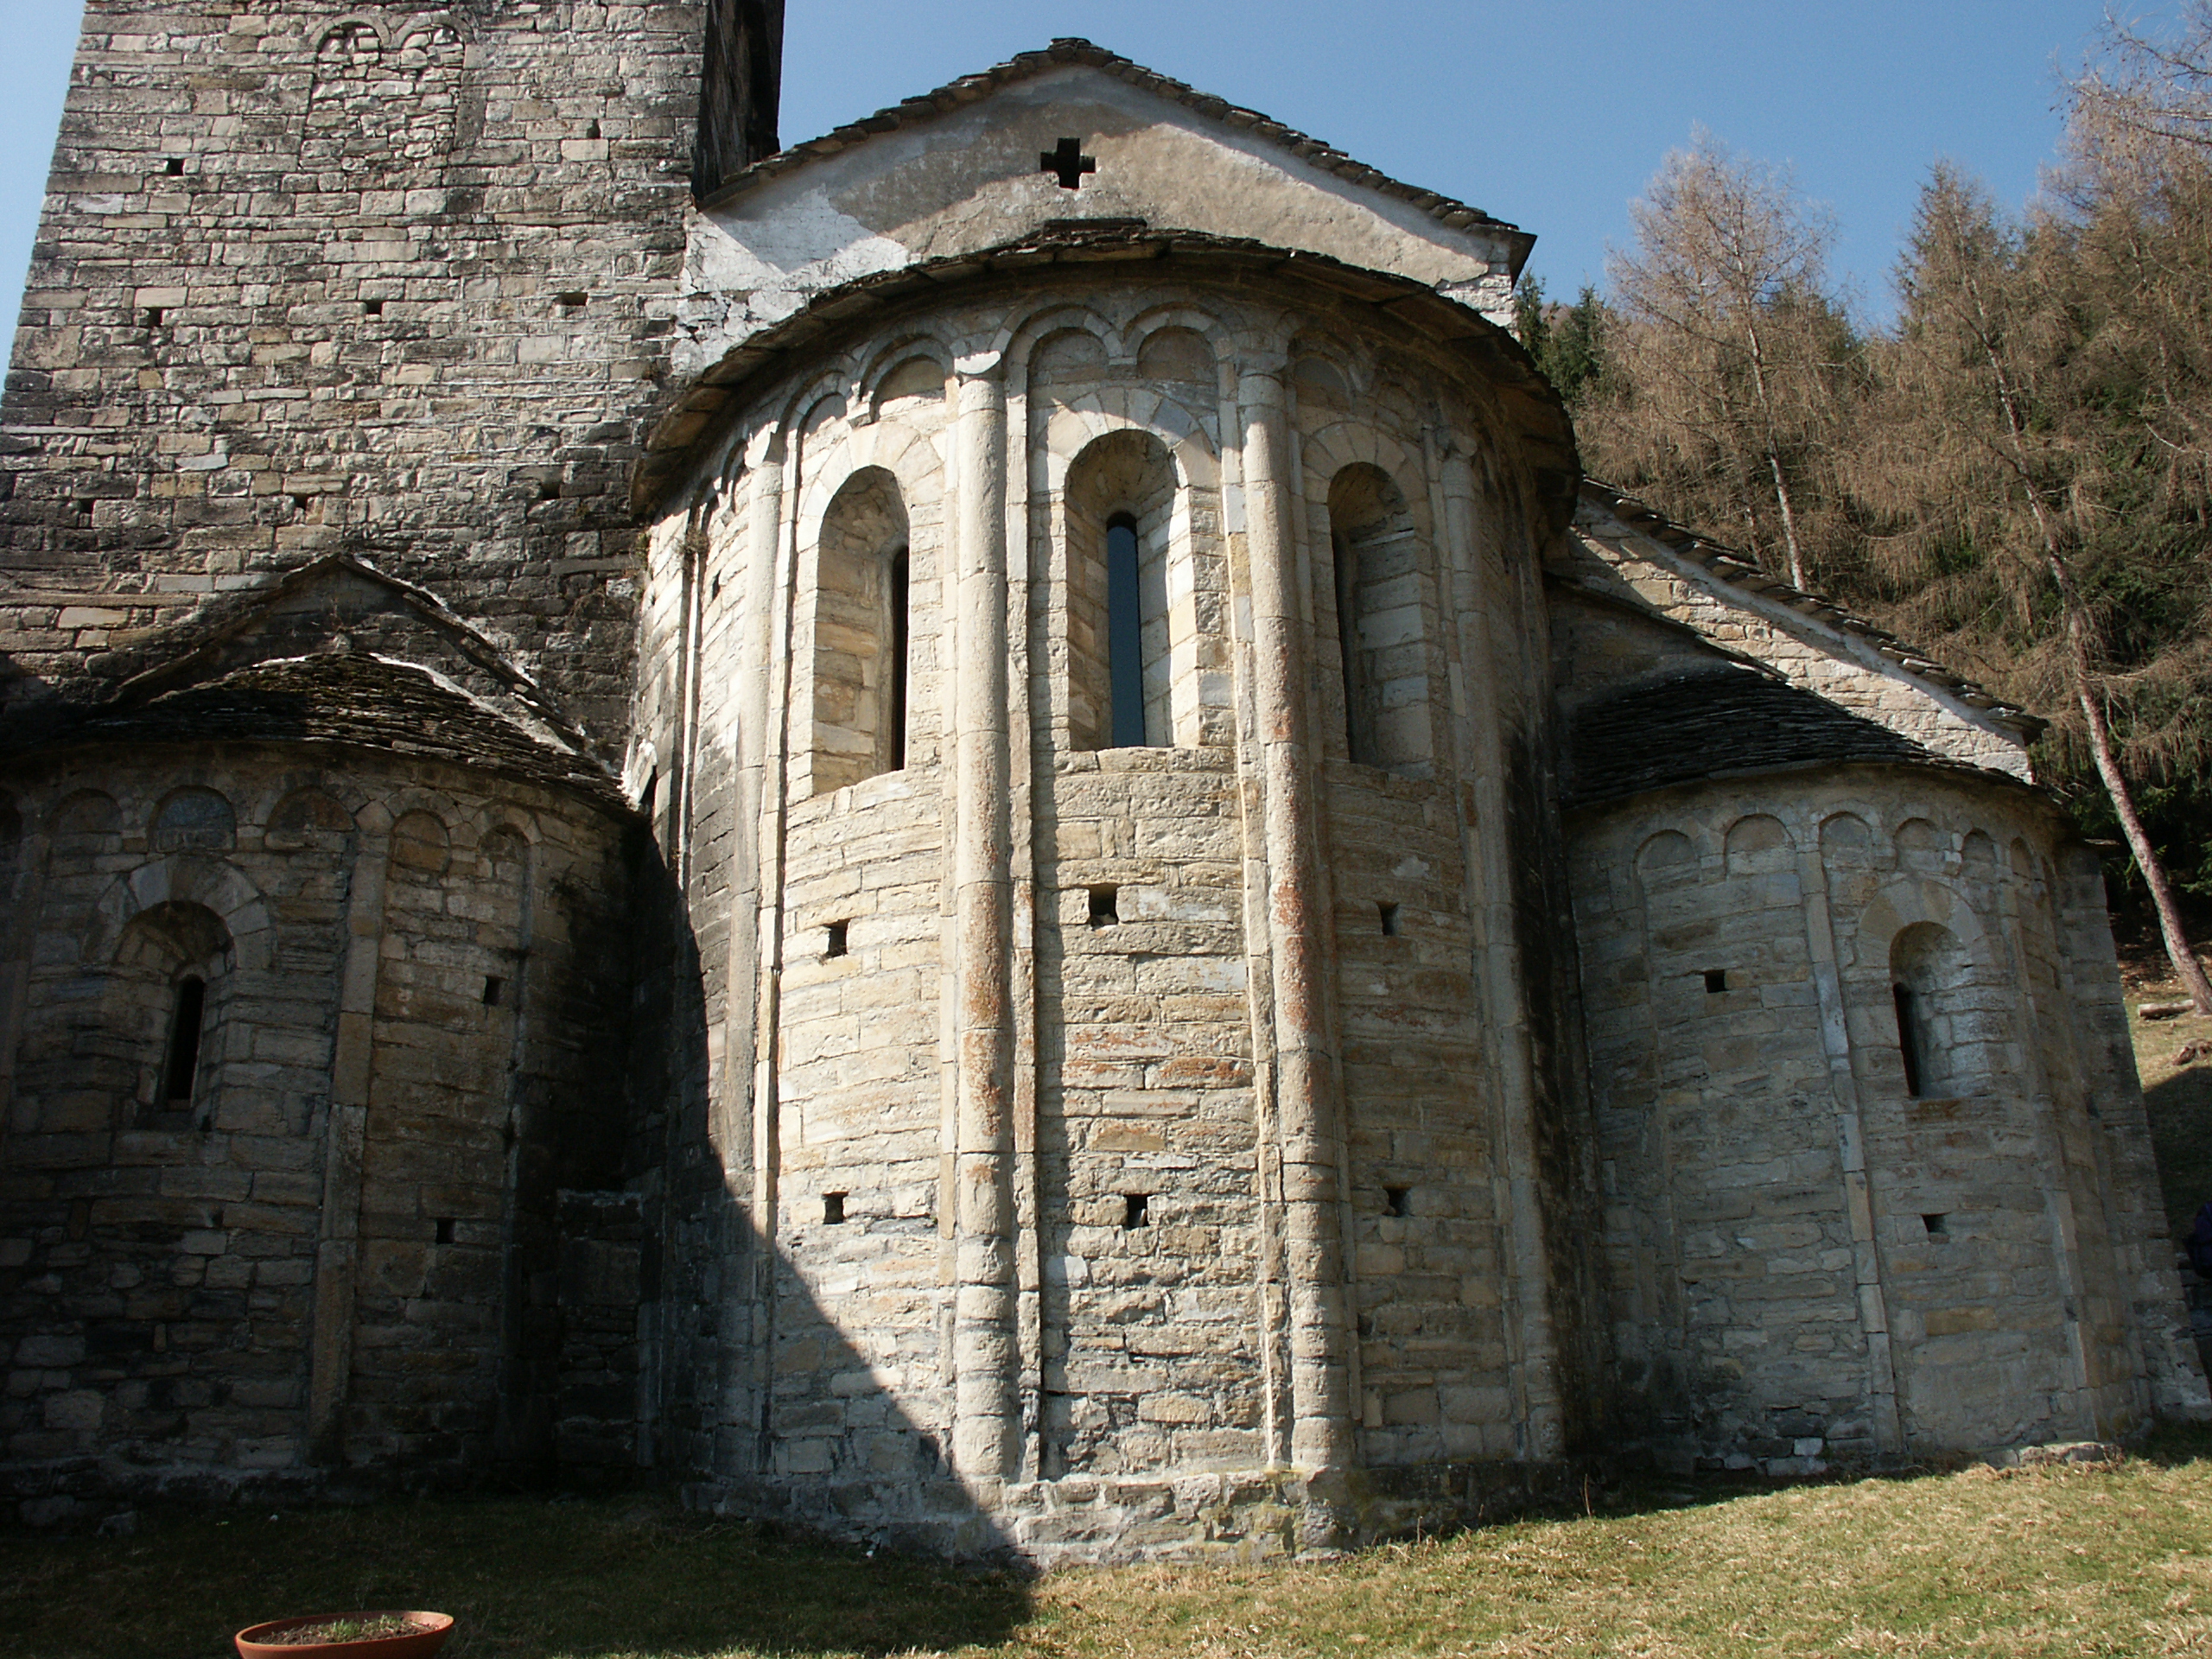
column 1808, row 1257
column 826, row 1352
column 332, row 1247
column 396, row 281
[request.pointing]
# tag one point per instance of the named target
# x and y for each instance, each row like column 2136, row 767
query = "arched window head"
column 167, row 997
column 1381, row 633
column 1931, row 989
column 862, row 635
column 181, row 1069
column 1121, row 689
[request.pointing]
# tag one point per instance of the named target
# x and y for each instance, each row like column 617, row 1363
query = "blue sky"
column 1551, row 113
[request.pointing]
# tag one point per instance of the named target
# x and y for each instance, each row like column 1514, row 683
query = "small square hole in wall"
column 154, row 316
column 174, row 167
column 445, row 1230
column 372, row 308
column 572, row 301
column 1936, row 1225
column 1105, row 906
column 592, row 131
column 1389, row 914
column 494, row 987
column 836, row 939
column 1397, row 1200
column 833, row 1209
column 1135, row 1210
column 1716, row 980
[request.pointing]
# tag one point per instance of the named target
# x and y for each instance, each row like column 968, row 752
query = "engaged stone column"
column 1305, row 1106
column 987, row 1424
column 353, row 1064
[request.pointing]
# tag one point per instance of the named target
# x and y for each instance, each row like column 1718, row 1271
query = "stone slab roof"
column 1724, row 723
column 1741, row 572
column 349, row 700
column 970, row 89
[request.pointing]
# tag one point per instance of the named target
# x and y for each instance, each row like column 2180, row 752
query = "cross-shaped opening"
column 1067, row 163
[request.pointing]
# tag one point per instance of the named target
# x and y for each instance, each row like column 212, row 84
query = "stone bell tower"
column 394, row 280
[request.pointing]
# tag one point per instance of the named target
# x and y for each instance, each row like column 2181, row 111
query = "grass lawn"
column 2063, row 1561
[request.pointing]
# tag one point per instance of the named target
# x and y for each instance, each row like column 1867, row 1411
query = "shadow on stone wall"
column 750, row 1396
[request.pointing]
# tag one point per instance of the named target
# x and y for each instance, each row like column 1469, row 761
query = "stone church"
column 970, row 832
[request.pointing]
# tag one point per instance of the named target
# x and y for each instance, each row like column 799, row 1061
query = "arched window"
column 862, row 633
column 1120, row 500
column 1125, row 632
column 1381, row 642
column 168, row 991
column 1931, row 988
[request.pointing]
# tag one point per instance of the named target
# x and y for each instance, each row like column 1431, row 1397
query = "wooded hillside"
column 2014, row 475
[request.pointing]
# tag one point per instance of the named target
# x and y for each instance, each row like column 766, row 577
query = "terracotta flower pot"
column 265, row 1641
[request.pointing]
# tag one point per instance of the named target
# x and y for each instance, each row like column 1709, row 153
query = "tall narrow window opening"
column 1908, row 1036
column 895, row 696
column 1125, row 631
column 181, row 1069
column 1359, row 724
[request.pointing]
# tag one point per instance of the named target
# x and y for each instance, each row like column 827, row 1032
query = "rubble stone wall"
column 396, row 281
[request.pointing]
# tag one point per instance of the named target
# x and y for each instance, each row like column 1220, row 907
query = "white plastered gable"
column 950, row 182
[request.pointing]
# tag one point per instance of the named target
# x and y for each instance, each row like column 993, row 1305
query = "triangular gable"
column 1707, row 601
column 340, row 603
column 958, row 171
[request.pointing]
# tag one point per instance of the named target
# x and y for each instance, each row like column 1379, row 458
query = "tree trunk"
column 2187, row 967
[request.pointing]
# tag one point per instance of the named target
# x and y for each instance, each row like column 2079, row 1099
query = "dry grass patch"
column 2065, row 1561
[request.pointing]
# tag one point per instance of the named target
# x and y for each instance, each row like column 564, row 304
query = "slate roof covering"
column 969, row 89
column 1723, row 722
column 350, row 700
column 1741, row 572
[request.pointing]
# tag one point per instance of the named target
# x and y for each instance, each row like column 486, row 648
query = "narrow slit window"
column 1389, row 915
column 181, row 1069
column 895, row 701
column 494, row 987
column 1908, row 1036
column 1124, row 633
column 1105, row 906
column 836, row 939
column 445, row 1230
column 1136, row 1211
column 1397, row 1200
column 833, row 1209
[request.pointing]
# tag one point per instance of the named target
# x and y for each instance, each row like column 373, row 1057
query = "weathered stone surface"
column 1177, row 963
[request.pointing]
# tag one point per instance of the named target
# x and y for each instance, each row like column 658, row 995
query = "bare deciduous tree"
column 1733, row 340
